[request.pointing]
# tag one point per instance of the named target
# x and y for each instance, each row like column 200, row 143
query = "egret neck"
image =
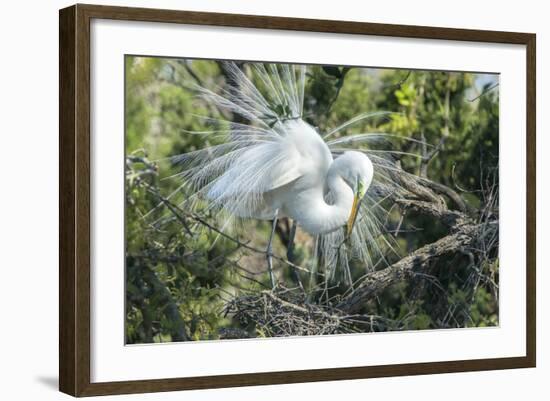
column 320, row 215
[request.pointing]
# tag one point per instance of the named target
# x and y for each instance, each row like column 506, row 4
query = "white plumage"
column 275, row 165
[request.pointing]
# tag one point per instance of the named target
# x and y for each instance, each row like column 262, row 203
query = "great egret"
column 272, row 164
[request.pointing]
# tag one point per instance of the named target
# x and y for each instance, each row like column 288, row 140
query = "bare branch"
column 450, row 218
column 450, row 193
column 375, row 282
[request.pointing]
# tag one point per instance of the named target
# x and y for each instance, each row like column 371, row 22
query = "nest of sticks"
column 283, row 312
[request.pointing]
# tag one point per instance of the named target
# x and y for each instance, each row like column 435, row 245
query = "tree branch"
column 377, row 281
column 449, row 218
column 450, row 193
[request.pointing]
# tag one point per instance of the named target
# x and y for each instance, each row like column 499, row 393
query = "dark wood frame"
column 74, row 199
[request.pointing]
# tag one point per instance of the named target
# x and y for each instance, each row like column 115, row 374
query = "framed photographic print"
column 250, row 200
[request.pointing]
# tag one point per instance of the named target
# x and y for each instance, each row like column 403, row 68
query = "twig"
column 484, row 92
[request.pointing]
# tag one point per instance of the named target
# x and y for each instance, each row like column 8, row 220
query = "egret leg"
column 290, row 255
column 269, row 251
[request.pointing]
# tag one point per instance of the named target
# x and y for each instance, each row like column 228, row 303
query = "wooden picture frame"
column 74, row 199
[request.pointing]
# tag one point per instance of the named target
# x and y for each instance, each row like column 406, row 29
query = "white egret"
column 274, row 165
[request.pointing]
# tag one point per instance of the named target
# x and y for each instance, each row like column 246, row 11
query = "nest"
column 281, row 312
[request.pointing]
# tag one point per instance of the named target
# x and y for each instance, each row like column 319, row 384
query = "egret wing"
column 256, row 155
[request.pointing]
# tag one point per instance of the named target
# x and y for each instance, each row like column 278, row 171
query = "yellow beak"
column 353, row 214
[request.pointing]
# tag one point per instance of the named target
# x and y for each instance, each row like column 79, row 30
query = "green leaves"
column 406, row 94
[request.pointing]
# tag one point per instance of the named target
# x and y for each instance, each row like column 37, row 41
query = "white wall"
column 28, row 199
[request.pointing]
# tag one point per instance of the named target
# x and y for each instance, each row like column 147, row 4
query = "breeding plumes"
column 272, row 164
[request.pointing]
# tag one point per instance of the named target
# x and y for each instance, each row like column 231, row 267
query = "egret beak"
column 353, row 214
column 358, row 196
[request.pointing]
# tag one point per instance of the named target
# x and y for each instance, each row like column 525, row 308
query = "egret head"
column 357, row 171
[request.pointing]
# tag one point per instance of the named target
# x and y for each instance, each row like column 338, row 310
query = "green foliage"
column 168, row 270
